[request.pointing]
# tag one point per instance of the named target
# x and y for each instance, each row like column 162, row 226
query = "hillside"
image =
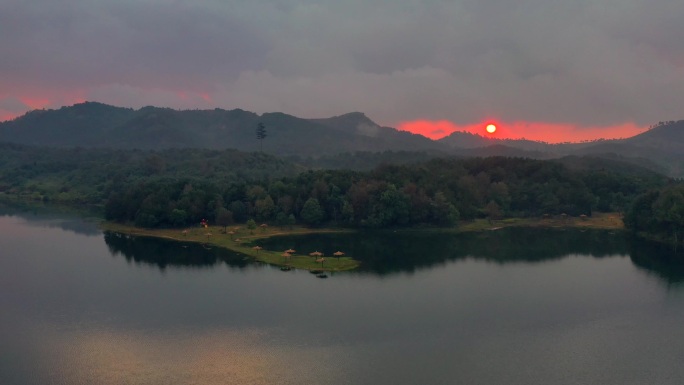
column 467, row 140
column 98, row 125
column 358, row 124
column 90, row 125
column 662, row 146
column 660, row 149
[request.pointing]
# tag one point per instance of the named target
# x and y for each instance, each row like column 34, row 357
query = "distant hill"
column 358, row 124
column 467, row 140
column 98, row 125
column 662, row 146
column 666, row 135
column 93, row 124
column 660, row 149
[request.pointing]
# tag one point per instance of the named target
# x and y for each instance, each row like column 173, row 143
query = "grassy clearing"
column 242, row 240
column 610, row 221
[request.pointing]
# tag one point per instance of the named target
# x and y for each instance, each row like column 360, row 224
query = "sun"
column 491, row 128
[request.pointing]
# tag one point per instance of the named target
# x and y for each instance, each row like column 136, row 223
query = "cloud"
column 584, row 63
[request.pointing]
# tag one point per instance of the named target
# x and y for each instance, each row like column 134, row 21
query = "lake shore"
column 245, row 241
column 606, row 221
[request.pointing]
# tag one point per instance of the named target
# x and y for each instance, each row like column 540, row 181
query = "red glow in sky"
column 35, row 103
column 433, row 129
column 25, row 102
column 539, row 131
column 32, row 103
column 6, row 115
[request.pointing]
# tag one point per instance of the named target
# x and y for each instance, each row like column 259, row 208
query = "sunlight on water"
column 198, row 357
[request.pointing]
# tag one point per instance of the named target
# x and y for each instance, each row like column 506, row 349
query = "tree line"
column 180, row 187
column 659, row 214
column 90, row 176
column 434, row 193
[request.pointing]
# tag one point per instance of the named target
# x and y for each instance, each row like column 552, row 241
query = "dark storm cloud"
column 582, row 62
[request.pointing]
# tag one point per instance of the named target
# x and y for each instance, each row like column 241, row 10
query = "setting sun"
column 491, row 128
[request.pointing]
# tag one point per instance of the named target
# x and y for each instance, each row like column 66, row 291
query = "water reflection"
column 400, row 252
column 74, row 314
column 109, row 357
column 164, row 254
column 37, row 215
column 658, row 259
column 386, row 253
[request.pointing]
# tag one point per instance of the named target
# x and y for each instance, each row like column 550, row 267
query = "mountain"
column 659, row 149
column 661, row 146
column 93, row 124
column 98, row 125
column 668, row 136
column 357, row 123
column 78, row 125
column 467, row 140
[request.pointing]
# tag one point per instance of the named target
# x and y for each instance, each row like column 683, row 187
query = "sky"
column 552, row 70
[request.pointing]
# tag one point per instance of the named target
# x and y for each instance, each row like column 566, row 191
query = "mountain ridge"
column 94, row 124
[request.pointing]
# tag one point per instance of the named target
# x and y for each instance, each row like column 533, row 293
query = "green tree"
column 251, row 225
column 239, row 210
column 392, row 208
column 443, row 212
column 261, row 135
column 347, row 213
column 640, row 217
column 264, row 208
column 312, row 213
column 492, row 210
column 668, row 211
column 291, row 220
column 281, row 219
column 178, row 217
column 223, row 218
column 146, row 220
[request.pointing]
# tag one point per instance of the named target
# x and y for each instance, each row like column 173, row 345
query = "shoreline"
column 604, row 221
column 243, row 240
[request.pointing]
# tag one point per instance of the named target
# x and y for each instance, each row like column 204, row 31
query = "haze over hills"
column 660, row 149
column 462, row 139
column 93, row 124
column 98, row 125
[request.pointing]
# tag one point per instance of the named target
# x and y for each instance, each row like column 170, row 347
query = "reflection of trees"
column 39, row 215
column 163, row 253
column 388, row 252
column 659, row 259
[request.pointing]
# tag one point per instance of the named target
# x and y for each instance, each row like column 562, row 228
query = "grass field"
column 242, row 240
column 596, row 221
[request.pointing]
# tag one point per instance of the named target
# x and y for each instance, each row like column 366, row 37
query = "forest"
column 438, row 192
column 181, row 187
column 659, row 214
column 323, row 143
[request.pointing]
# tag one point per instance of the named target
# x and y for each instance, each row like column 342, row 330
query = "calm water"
column 504, row 307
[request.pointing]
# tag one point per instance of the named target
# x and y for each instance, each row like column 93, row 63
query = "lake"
column 514, row 306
